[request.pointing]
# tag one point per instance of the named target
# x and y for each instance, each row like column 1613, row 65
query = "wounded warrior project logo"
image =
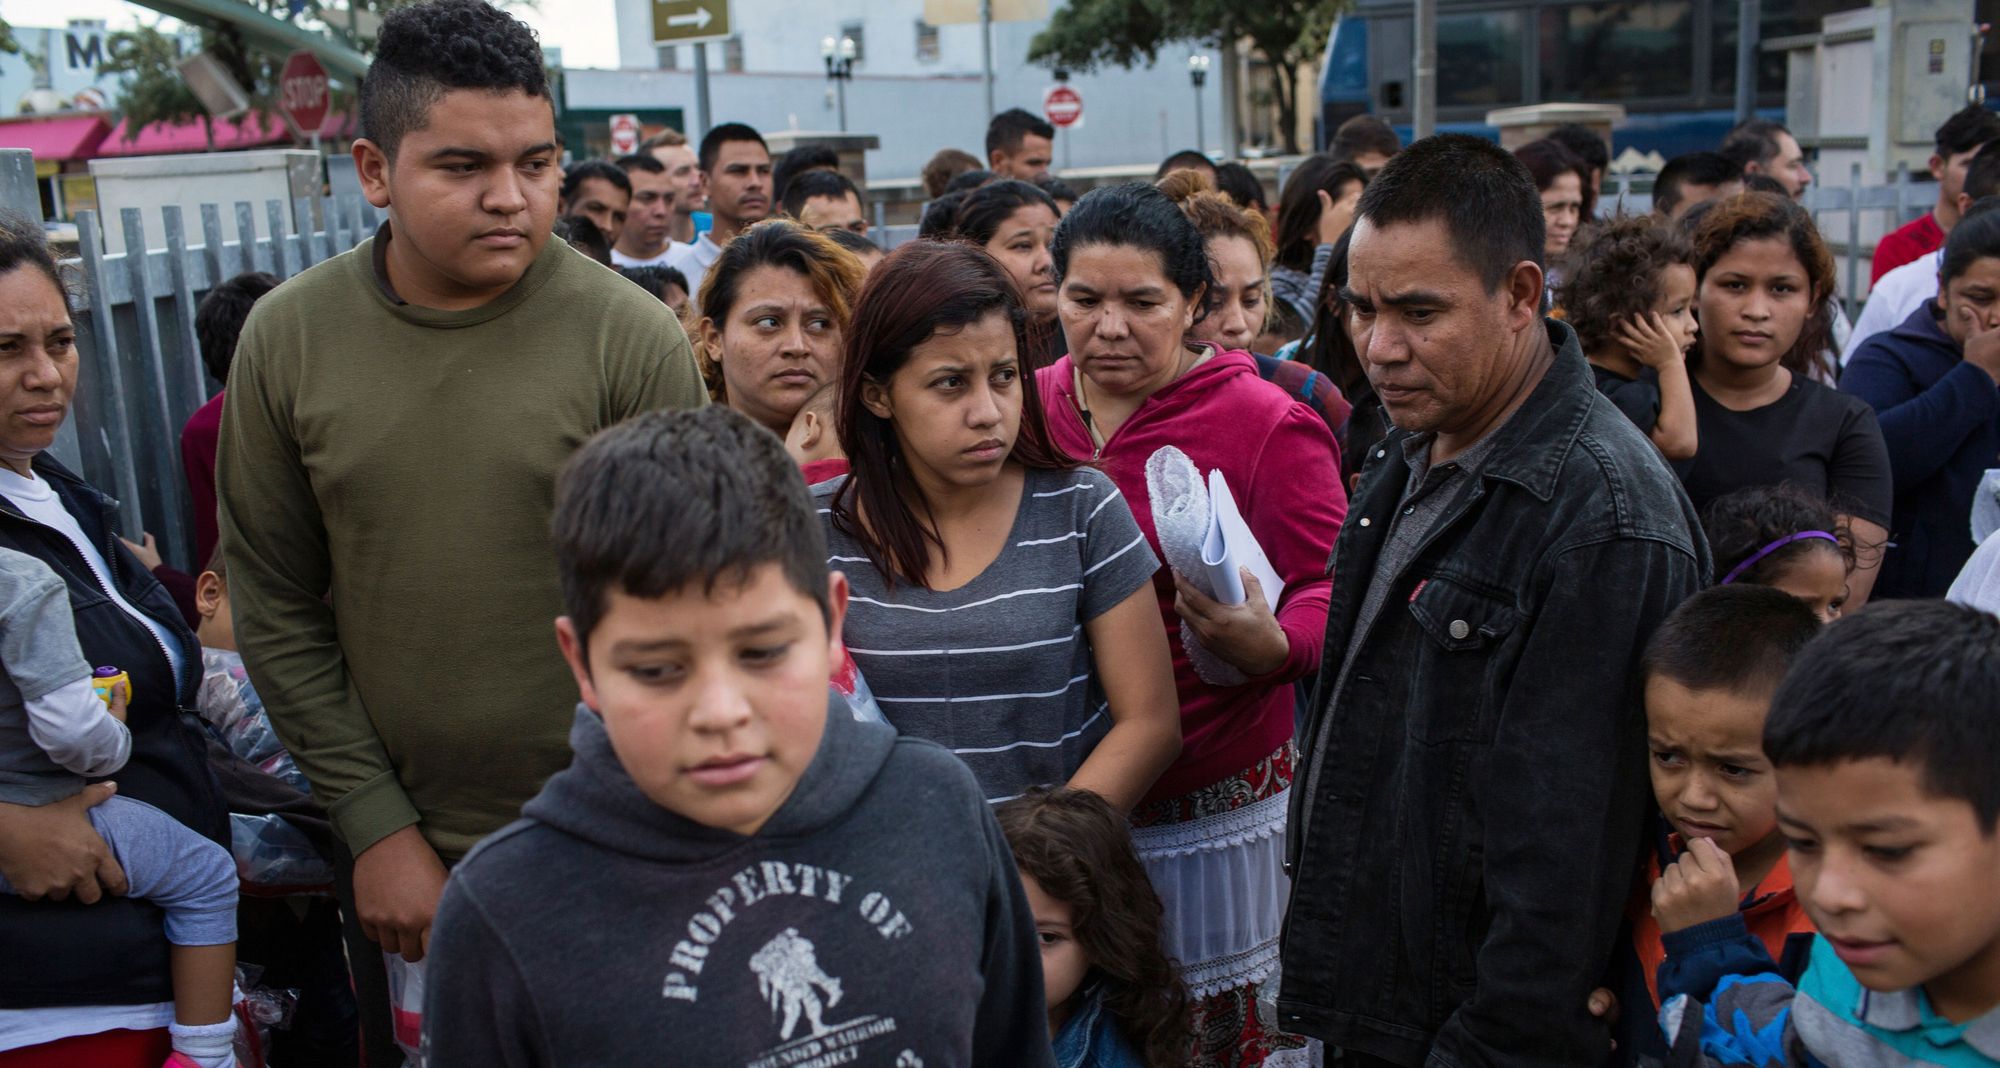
column 790, row 976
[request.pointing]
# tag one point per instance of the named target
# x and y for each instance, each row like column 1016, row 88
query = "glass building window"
column 927, row 42
column 732, row 55
column 1479, row 59
column 669, row 57
column 852, row 31
column 1617, row 51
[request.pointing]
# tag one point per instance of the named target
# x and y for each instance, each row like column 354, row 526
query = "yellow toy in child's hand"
column 109, row 682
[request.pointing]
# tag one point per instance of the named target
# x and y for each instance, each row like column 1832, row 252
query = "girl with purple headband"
column 1782, row 537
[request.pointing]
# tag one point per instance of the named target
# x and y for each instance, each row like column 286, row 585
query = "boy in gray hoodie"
column 730, row 871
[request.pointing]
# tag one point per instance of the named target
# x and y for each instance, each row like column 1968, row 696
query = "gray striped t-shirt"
column 998, row 670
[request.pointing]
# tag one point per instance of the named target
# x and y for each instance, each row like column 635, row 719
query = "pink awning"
column 255, row 131
column 164, row 139
column 68, row 137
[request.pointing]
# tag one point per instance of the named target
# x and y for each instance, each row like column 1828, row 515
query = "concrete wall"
column 915, row 106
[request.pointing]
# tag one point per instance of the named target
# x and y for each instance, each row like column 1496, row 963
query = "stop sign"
column 1062, row 106
column 302, row 92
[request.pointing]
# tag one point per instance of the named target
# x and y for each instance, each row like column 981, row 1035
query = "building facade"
column 917, row 86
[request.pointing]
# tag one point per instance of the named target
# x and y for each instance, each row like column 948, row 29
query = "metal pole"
column 18, row 190
column 700, row 92
column 1749, row 26
column 1232, row 135
column 840, row 91
column 1853, row 231
column 1200, row 131
column 986, row 51
column 1423, row 73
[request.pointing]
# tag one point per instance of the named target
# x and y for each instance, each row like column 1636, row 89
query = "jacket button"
column 1379, row 453
column 1364, row 520
column 1459, row 629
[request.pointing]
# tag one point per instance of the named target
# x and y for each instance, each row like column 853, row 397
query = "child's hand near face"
column 121, row 694
column 1699, row 887
column 1651, row 340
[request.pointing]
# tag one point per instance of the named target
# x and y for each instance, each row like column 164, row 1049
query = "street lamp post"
column 839, row 70
column 1198, row 74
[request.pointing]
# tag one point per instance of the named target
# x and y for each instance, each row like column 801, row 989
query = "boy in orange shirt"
column 1710, row 672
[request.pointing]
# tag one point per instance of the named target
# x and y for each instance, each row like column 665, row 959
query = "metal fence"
column 141, row 374
column 1841, row 212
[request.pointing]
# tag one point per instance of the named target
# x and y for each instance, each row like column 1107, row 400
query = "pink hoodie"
column 1283, row 466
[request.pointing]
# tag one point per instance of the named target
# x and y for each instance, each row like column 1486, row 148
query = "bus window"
column 1389, row 62
column 1479, row 59
column 1618, row 52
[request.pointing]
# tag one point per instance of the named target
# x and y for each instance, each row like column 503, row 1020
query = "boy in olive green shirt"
column 395, row 420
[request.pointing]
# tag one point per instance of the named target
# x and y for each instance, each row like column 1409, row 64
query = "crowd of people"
column 639, row 615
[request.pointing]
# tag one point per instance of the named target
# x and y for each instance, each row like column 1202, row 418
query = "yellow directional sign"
column 959, row 12
column 681, row 21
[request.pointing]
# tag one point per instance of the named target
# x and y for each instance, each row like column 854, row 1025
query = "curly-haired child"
column 1115, row 999
column 1782, row 537
column 1628, row 291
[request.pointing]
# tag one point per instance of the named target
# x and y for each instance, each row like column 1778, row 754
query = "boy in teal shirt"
column 1886, row 748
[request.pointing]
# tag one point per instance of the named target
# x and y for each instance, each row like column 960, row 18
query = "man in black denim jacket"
column 1468, row 815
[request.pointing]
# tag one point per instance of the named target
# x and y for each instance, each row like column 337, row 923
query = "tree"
column 153, row 91
column 1087, row 34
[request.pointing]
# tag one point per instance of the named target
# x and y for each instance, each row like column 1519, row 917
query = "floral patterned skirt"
column 1216, row 857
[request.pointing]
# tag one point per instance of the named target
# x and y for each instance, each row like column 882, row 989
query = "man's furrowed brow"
column 1413, row 298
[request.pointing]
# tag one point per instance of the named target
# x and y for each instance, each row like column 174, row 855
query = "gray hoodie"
column 876, row 919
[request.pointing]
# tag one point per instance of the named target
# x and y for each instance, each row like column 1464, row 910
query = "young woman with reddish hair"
column 1002, row 601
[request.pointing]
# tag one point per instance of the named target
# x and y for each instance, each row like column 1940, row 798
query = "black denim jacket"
column 1462, row 856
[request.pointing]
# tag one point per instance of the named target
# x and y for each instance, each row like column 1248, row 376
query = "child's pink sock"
column 207, row 1045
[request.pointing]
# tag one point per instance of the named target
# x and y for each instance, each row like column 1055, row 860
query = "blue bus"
column 1670, row 63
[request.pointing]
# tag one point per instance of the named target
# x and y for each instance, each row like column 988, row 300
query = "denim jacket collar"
column 1090, row 1038
column 1530, row 447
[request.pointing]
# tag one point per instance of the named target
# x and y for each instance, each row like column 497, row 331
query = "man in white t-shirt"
column 645, row 241
column 736, row 172
column 1904, row 289
column 1896, row 294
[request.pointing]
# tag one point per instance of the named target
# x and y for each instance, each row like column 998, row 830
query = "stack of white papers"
column 1230, row 547
column 1204, row 538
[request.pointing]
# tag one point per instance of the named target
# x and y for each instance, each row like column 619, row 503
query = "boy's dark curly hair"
column 429, row 48
column 1615, row 270
column 1078, row 850
column 1740, row 523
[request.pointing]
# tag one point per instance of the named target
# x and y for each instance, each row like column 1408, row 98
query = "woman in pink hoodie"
column 1134, row 278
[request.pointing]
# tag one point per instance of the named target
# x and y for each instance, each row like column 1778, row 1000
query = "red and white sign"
column 624, row 134
column 302, row 92
column 1062, row 106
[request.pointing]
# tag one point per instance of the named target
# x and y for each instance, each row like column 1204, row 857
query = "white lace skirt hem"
column 1222, row 880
